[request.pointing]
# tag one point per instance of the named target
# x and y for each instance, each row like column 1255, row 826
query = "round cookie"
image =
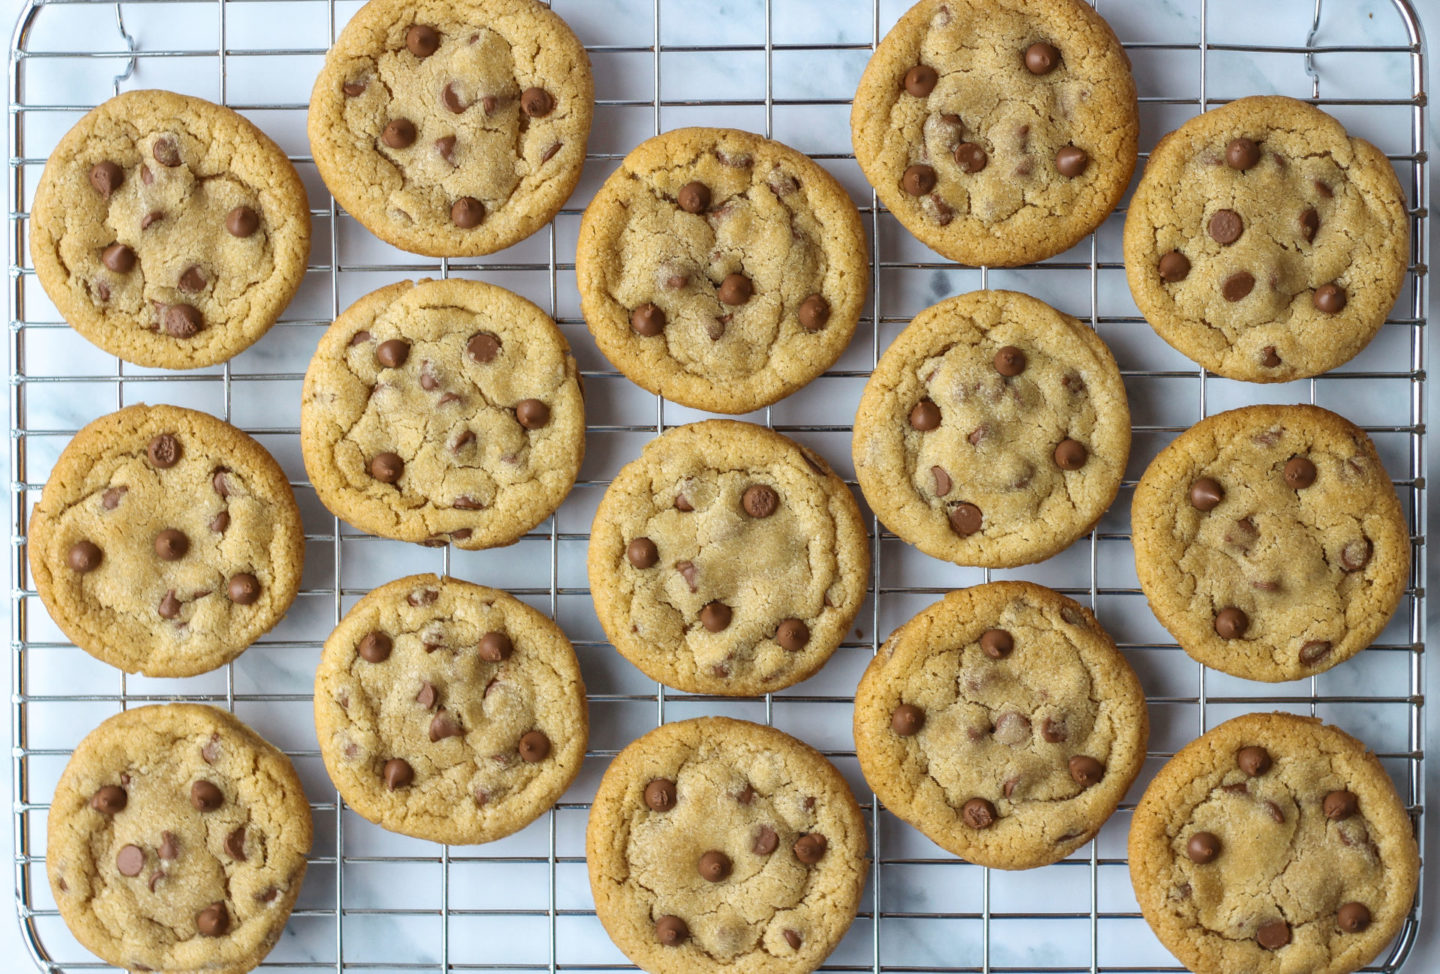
column 169, row 230
column 721, row 845
column 1269, row 541
column 443, row 412
column 1273, row 844
column 166, row 541
column 452, row 127
column 1265, row 243
column 1003, row 723
column 176, row 841
column 998, row 132
column 449, row 711
column 727, row 559
column 720, row 269
column 994, row 431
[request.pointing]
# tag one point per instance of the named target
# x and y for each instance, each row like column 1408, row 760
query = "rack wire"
column 375, row 901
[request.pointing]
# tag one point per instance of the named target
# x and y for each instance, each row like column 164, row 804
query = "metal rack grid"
column 1080, row 909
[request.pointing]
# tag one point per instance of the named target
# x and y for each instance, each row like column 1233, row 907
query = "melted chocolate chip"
column 213, row 921
column 1226, row 227
column 235, row 844
column 532, row 413
column 942, row 481
column 1273, row 935
column 1237, row 285
column 1340, row 805
column 166, row 151
column 1309, row 224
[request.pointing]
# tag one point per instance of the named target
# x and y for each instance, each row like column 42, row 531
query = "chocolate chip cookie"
column 166, row 541
column 1003, row 723
column 176, row 841
column 1269, row 541
column 449, row 711
column 998, row 131
column 727, row 559
column 721, row 845
column 994, row 431
column 452, row 127
column 443, row 412
column 1264, row 242
column 720, row 269
column 1273, row 844
column 168, row 230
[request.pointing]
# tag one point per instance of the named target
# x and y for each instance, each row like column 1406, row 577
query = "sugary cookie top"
column 177, row 841
column 1273, row 844
column 727, row 559
column 998, row 131
column 1270, row 542
column 994, row 430
column 717, row 844
column 166, row 541
column 453, row 128
column 1003, row 723
column 443, row 412
column 449, row 711
column 1266, row 243
column 168, row 230
column 721, row 269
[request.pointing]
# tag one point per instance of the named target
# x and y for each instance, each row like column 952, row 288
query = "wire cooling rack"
column 379, row 902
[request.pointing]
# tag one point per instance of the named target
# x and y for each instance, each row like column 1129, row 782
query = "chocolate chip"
column 642, row 553
column 1085, row 770
column 921, row 80
column 375, row 647
column 243, row 589
column 682, row 503
column 918, row 180
column 647, row 320
column 1273, row 935
column 534, row 746
column 106, row 177
column 235, row 844
column 171, row 544
column 694, row 197
column 150, row 219
column 422, row 41
column 109, row 800
column 496, row 647
column 536, row 102
column 1356, row 554
column 393, row 353
column 997, row 643
column 735, row 289
column 169, row 606
column 1241, row 154
column 442, row 725
column 965, row 519
column 942, row 481
column 267, row 895
column 532, row 413
column 1010, row 361
column 399, row 133
column 387, row 467
column 119, row 258
column 1071, row 161
column 1206, row 493
column 715, row 866
column 1309, row 224
column 488, row 104
column 1070, row 455
column 1203, row 847
column 1174, row 267
column 1353, row 917
column 398, row 773
column 1237, row 285
column 1299, row 473
column 1340, row 805
column 671, row 931
column 205, row 796
column 84, row 557
column 792, row 635
column 1253, row 760
column 164, row 451
column 792, row 938
column 907, row 720
column 810, row 848
column 353, row 89
column 483, row 347
column 1053, row 731
column 1231, row 623
column 978, row 813
column 925, row 416
column 467, row 212
column 166, row 151
column 660, row 795
column 457, row 105
column 814, row 312
column 169, row 844
column 1226, row 227
column 549, row 153
column 1275, row 812
column 193, row 280
column 760, row 500
column 242, row 221
column 715, row 616
column 969, row 156
column 182, row 320
column 687, row 571
column 213, row 921
column 1269, row 358
column 111, row 498
column 1041, row 58
column 427, row 695
column 1329, row 298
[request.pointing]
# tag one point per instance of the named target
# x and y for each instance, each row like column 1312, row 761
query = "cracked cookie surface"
column 452, row 127
column 721, row 269
column 168, row 230
column 1264, row 242
column 1270, row 542
column 727, row 559
column 721, row 845
column 1003, row 723
column 449, row 711
column 1274, row 844
column 177, row 840
column 994, row 430
column 443, row 412
column 166, row 541
column 998, row 131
